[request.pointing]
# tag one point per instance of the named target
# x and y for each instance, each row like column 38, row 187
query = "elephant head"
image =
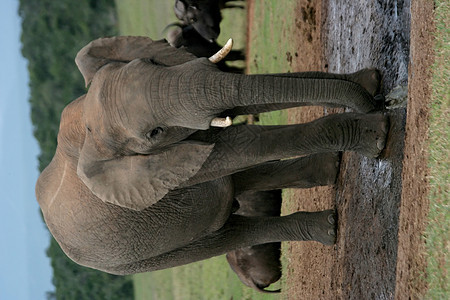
column 204, row 15
column 128, row 136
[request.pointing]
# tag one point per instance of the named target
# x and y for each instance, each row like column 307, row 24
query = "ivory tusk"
column 222, row 52
column 221, row 122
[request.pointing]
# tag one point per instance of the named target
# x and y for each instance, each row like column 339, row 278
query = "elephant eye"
column 154, row 132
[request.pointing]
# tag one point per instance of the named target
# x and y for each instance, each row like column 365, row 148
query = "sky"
column 25, row 269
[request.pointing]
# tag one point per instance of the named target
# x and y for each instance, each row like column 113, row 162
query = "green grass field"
column 213, row 279
column 437, row 233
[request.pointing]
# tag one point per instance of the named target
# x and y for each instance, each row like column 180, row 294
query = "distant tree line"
column 53, row 31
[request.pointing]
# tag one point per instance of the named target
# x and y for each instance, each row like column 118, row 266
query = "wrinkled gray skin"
column 140, row 182
column 258, row 266
column 188, row 37
column 204, row 15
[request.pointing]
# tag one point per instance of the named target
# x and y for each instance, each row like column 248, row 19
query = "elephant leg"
column 239, row 148
column 238, row 232
column 303, row 172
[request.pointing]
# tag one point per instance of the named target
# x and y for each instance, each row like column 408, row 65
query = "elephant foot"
column 328, row 167
column 370, row 79
column 373, row 130
column 318, row 226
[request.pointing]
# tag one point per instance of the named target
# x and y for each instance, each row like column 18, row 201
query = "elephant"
column 186, row 36
column 258, row 266
column 203, row 15
column 144, row 178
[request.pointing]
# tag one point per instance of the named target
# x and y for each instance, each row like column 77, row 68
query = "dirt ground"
column 382, row 203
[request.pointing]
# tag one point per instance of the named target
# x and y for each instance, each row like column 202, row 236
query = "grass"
column 150, row 18
column 270, row 41
column 204, row 280
column 437, row 232
column 144, row 17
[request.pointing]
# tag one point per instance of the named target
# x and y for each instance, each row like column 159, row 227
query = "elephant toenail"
column 331, row 232
column 379, row 98
column 380, row 144
column 331, row 219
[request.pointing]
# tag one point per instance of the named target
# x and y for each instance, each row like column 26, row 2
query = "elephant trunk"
column 202, row 95
column 245, row 94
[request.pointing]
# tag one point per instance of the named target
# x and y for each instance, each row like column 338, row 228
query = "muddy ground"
column 382, row 203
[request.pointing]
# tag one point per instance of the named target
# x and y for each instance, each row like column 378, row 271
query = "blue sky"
column 25, row 269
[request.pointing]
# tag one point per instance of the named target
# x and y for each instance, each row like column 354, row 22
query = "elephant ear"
column 180, row 9
column 139, row 181
column 102, row 51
